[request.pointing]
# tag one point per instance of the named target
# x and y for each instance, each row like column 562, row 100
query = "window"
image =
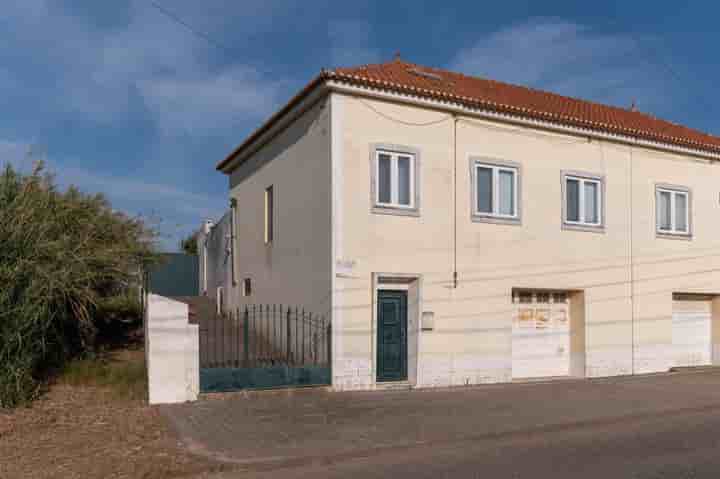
column 583, row 201
column 672, row 211
column 269, row 215
column 394, row 179
column 496, row 191
column 247, row 287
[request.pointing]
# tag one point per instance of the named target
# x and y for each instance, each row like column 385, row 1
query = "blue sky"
column 118, row 98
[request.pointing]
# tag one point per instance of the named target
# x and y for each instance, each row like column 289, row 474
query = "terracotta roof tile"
column 403, row 77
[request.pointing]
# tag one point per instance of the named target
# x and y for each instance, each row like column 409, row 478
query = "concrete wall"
column 471, row 342
column 295, row 269
column 171, row 352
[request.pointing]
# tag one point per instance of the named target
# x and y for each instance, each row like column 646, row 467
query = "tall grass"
column 62, row 253
column 126, row 378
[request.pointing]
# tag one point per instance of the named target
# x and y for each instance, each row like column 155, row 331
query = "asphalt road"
column 634, row 428
column 675, row 446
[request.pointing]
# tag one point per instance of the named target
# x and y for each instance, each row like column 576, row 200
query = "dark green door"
column 392, row 336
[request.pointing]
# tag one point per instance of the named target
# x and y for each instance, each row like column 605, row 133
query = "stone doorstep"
column 393, row 386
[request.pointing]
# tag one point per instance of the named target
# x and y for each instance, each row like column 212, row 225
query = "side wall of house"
column 215, row 255
column 295, row 268
column 472, row 337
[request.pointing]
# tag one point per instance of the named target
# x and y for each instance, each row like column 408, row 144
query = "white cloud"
column 567, row 58
column 207, row 102
column 351, row 43
column 97, row 72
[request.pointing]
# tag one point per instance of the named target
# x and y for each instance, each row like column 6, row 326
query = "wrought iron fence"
column 265, row 335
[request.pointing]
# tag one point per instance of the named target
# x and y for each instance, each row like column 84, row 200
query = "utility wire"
column 230, row 51
column 403, row 122
column 189, row 27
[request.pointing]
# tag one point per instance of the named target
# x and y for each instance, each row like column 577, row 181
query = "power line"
column 189, row 27
column 200, row 34
column 400, row 121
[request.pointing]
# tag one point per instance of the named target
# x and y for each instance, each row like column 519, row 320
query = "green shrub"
column 62, row 253
column 117, row 319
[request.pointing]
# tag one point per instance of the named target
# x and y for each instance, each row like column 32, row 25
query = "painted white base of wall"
column 352, row 374
column 171, row 352
column 537, row 353
column 653, row 358
column 437, row 370
column 691, row 333
column 609, row 361
column 357, row 374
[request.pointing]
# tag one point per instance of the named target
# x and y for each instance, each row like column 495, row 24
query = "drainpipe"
column 455, row 222
column 632, row 272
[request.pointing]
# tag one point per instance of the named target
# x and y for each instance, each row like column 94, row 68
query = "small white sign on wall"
column 428, row 321
column 344, row 267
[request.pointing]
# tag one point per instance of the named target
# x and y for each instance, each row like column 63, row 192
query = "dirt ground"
column 90, row 432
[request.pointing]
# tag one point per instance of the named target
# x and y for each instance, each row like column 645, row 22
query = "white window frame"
column 582, row 180
column 394, row 179
column 496, row 169
column 674, row 192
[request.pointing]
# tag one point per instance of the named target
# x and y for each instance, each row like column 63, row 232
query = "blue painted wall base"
column 234, row 379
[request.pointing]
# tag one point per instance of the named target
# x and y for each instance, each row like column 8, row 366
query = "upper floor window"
column 395, row 180
column 583, row 201
column 395, row 185
column 495, row 190
column 672, row 210
column 269, row 214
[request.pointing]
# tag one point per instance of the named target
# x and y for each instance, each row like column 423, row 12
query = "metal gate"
column 264, row 346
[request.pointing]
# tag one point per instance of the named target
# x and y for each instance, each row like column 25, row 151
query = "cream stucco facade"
column 332, row 250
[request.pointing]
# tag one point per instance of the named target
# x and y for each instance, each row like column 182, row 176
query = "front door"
column 392, row 335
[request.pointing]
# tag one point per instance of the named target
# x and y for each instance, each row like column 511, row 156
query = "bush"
column 117, row 319
column 62, row 255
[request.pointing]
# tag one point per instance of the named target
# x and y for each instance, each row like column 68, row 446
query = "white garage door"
column 540, row 335
column 691, row 330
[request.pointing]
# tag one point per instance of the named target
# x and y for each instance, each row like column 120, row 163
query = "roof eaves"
column 295, row 100
column 553, row 117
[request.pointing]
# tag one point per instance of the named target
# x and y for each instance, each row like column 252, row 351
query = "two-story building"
column 461, row 231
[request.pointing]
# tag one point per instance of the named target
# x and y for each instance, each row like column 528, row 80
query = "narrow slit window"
column 269, row 214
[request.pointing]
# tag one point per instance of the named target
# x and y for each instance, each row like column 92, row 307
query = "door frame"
column 412, row 283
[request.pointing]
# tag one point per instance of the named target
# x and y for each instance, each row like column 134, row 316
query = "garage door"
column 691, row 330
column 540, row 335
